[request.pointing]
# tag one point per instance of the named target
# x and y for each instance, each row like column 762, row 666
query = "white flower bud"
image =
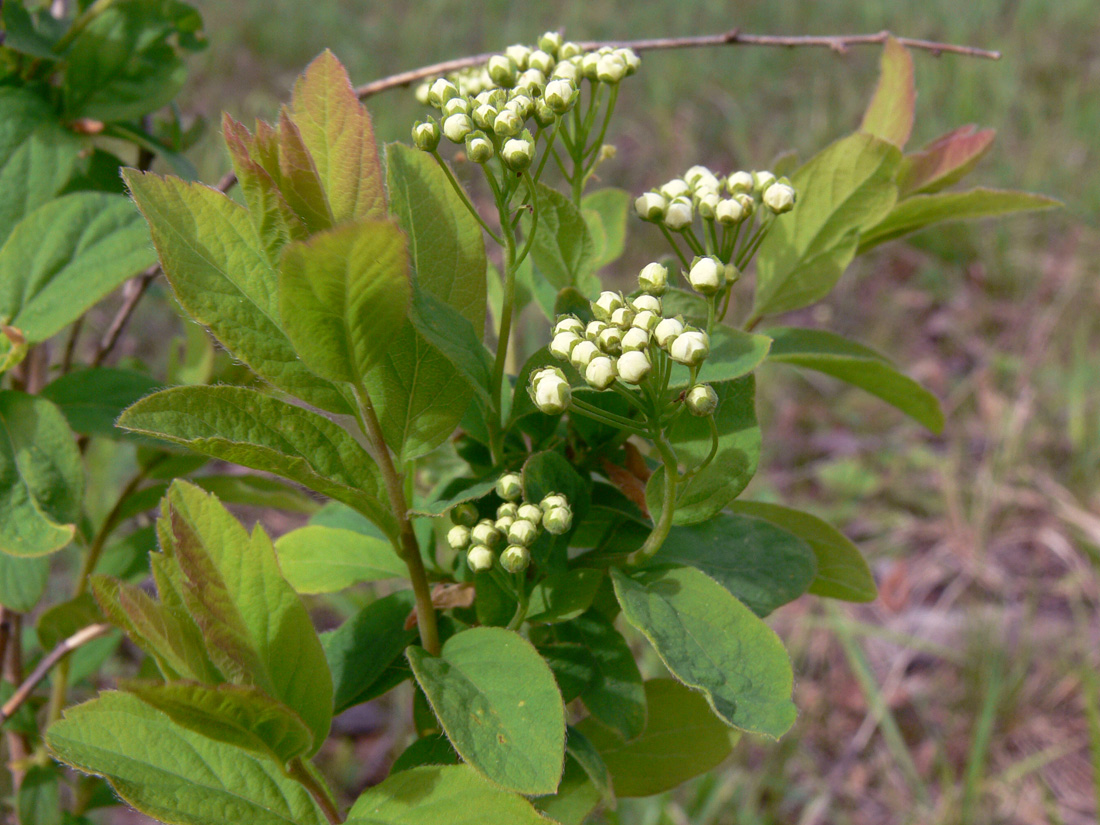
column 610, row 340
column 560, row 95
column 552, row 500
column 503, row 524
column 529, row 512
column 519, row 53
column 456, row 127
column 646, row 302
column 701, row 400
column 600, row 372
column 708, row 206
column 676, row 188
column 647, row 320
column 456, row 106
column 485, row 532
column 464, row 514
column 479, row 148
column 729, row 212
column 610, row 68
column 422, row 92
column 441, row 91
column 425, row 135
column 545, row 372
column 544, row 115
column 532, row 81
column 707, row 275
column 740, row 183
column 679, row 215
column 553, row 395
column 666, row 330
column 507, row 123
column 558, row 520
column 480, row 558
column 635, row 339
column 569, row 323
column 761, row 181
column 700, row 177
column 563, row 344
column 502, row 69
column 567, row 70
column 484, row 115
column 510, row 486
column 458, row 537
column 630, row 58
column 690, row 348
column 589, row 64
column 607, row 303
column 779, row 198
column 623, row 317
column 651, row 206
column 593, row 330
column 569, row 49
column 515, row 558
column 582, row 354
column 522, row 105
column 523, row 531
column 517, row 153
column 748, row 205
column 550, row 42
column 634, row 366
column 653, row 278
column 508, row 509
column 542, row 61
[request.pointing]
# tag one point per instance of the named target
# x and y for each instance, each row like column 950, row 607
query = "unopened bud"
column 651, row 206
column 623, row 317
column 517, row 153
column 485, row 532
column 630, row 58
column 600, row 372
column 708, row 205
column 519, row 53
column 567, row 70
column 508, row 509
column 779, row 198
column 425, row 135
column 707, row 275
column 678, row 215
column 569, row 323
column 441, row 91
column 457, row 127
column 560, row 95
column 480, row 558
column 635, row 339
column 503, row 524
column 666, row 330
column 676, row 188
column 523, row 532
column 522, row 105
column 544, row 115
column 456, row 106
column 700, row 177
column 503, row 70
column 653, row 279
column 530, row 512
column 607, row 303
column 464, row 514
column 484, row 115
column 458, row 537
column 729, row 212
column 553, row 395
column 582, row 354
column 510, row 487
column 647, row 320
column 740, row 183
column 422, row 92
column 593, row 330
column 701, row 400
column 552, row 500
column 507, row 123
column 569, row 49
column 690, row 348
column 532, row 81
column 761, row 181
column 543, row 61
column 562, row 344
column 550, row 42
column 610, row 68
column 515, row 558
column 646, row 302
column 748, row 205
column 589, row 64
column 558, row 520
column 634, row 366
column 610, row 340
column 479, row 148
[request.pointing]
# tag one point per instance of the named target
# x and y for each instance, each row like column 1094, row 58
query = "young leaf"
column 41, row 476
column 563, row 249
column 855, row 364
column 22, row 581
column 739, row 440
column 448, row 255
column 37, row 155
column 761, row 565
column 256, row 629
column 616, row 696
column 336, row 131
column 712, row 642
column 239, row 715
column 220, row 273
column 890, row 113
column 944, row 161
column 920, row 211
column 605, row 212
column 318, row 559
column 174, row 774
column 506, row 722
column 298, row 178
column 363, row 647
column 449, row 332
column 65, row 257
column 92, row 399
column 342, row 296
column 842, row 190
column 842, row 572
column 245, row 427
column 682, row 739
column 441, row 795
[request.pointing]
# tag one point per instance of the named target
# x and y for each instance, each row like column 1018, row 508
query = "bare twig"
column 838, row 43
column 63, row 649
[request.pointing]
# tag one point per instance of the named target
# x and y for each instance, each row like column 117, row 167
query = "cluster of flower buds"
column 727, row 200
column 516, row 527
column 488, row 108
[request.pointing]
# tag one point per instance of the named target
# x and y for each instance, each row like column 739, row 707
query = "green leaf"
column 576, row 798
column 65, row 257
column 855, row 364
column 920, row 211
column 123, row 64
column 450, row 333
column 842, row 572
column 506, row 722
column 683, row 739
column 297, row 176
column 441, row 795
column 174, row 774
column 734, row 464
column 245, row 427
column 761, row 565
column 39, row 798
column 326, row 560
column 343, row 294
column 842, row 190
column 616, row 696
column 605, row 212
column 944, row 161
column 363, row 647
column 27, row 33
column 256, row 629
column 579, row 748
column 92, row 399
column 563, row 596
column 733, row 354
column 37, row 155
column 433, row 749
column 239, row 715
column 257, row 491
column 562, row 249
column 22, row 581
column 41, row 476
column 890, row 113
column 475, row 490
column 220, row 273
column 445, row 241
column 64, row 619
column 712, row 642
column 549, row 472
column 574, row 668
column 336, row 131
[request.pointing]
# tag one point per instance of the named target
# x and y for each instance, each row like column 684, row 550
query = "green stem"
column 522, row 606
column 710, row 456
column 408, row 550
column 692, row 241
column 465, row 198
column 674, row 245
column 503, row 333
column 604, row 417
column 595, row 147
column 298, row 771
column 534, row 220
column 668, row 506
column 712, row 234
column 547, row 149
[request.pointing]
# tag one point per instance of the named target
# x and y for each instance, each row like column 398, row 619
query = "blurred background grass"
column 967, row 693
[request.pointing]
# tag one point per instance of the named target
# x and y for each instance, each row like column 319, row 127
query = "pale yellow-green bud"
column 510, row 486
column 761, row 181
column 530, row 512
column 563, row 343
column 479, row 148
column 464, row 514
column 690, row 348
column 700, row 177
column 569, row 323
column 610, row 68
column 458, row 537
column 508, row 509
column 582, row 354
column 779, row 198
column 634, row 366
column 679, row 215
column 729, row 212
column 647, row 320
column 543, row 61
column 517, row 153
column 507, row 124
column 701, row 400
column 515, row 558
column 635, row 339
column 522, row 105
column 480, row 558
column 676, row 188
column 519, row 53
column 425, row 135
column 558, row 520
column 456, row 106
column 422, row 93
column 600, row 372
column 553, row 395
column 589, row 63
column 708, row 205
column 569, row 49
column 503, row 524
column 560, row 95
column 610, row 340
column 623, row 317
column 740, row 183
column 485, row 532
column 651, row 206
column 567, row 70
column 441, row 91
column 607, row 303
column 550, row 42
column 593, row 330
column 630, row 58
column 707, row 275
column 646, row 302
column 532, row 81
column 523, row 532
column 457, row 127
column 552, row 500
column 485, row 115
column 654, row 278
column 666, row 330
column 502, row 69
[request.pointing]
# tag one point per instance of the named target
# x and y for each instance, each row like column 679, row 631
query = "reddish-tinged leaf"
column 298, row 178
column 944, row 161
column 336, row 130
column 890, row 113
